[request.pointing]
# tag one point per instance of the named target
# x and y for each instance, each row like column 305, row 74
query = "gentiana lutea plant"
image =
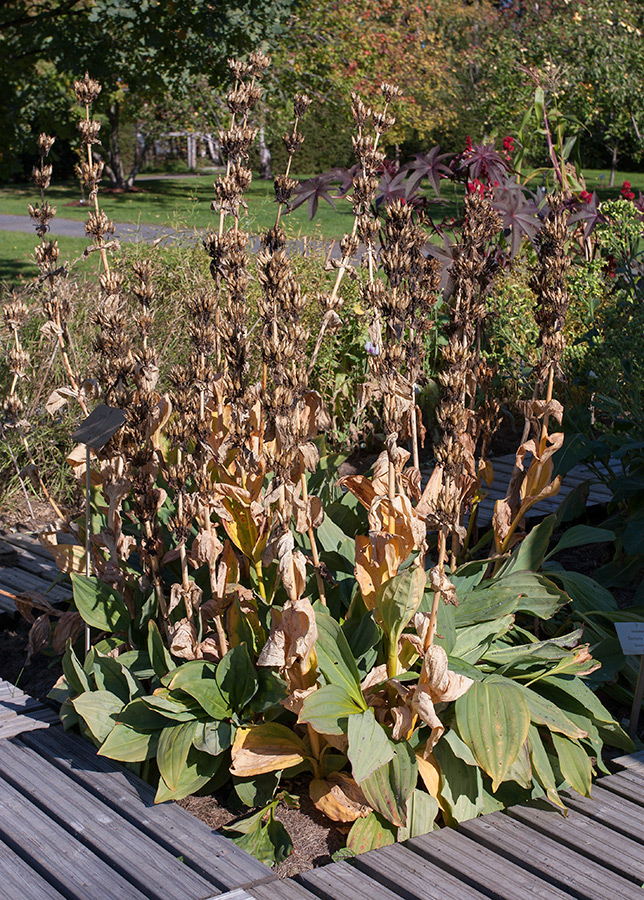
column 254, row 617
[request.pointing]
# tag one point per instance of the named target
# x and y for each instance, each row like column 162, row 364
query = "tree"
column 138, row 49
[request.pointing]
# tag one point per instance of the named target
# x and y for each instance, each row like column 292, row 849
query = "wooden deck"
column 75, row 826
column 29, row 568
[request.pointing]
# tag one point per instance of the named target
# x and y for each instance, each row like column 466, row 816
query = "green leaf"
column 138, row 714
column 484, row 604
column 586, row 594
column 422, row 810
column 213, row 737
column 236, row 677
column 160, row 659
column 581, row 536
column 126, row 744
column 269, row 841
column 370, row 833
column 112, row 676
column 530, row 553
column 335, row 659
column 537, row 595
column 493, row 719
column 541, row 768
column 99, row 710
column 138, row 663
column 472, row 641
column 574, row 764
column 398, row 600
column 544, row 712
column 173, row 706
column 389, row 787
column 327, row 709
column 198, row 679
column 271, row 691
column 68, row 715
column 590, row 705
column 462, row 793
column 174, row 743
column 199, row 769
column 369, row 746
column 99, row 604
column 257, row 790
column 75, row 675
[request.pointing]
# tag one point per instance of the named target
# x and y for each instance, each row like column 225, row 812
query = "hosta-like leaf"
column 335, row 659
column 530, row 553
column 544, row 712
column 126, row 744
column 200, row 768
column 160, row 659
column 99, row 605
column 493, row 719
column 213, row 737
column 176, row 707
column 75, row 674
column 111, row 675
column 399, row 598
column 541, row 768
column 268, row 841
column 389, row 787
column 236, row 677
column 327, row 709
column 370, row 833
column 483, row 604
column 369, row 746
column 574, row 763
column 197, row 678
column 99, row 710
column 268, row 747
column 422, row 810
column 473, row 641
column 174, row 743
column 462, row 794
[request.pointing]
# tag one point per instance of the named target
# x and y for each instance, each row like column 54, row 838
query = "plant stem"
column 314, row 546
column 442, row 554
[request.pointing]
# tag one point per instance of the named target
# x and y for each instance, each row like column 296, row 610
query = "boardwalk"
column 74, row 826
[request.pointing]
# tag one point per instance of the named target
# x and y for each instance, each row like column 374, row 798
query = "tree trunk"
column 214, row 149
column 140, row 155
column 264, row 155
column 114, row 165
column 613, row 166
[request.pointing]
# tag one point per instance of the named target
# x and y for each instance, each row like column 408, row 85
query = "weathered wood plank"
column 29, row 543
column 482, row 868
column 402, row 870
column 615, row 811
column 629, row 788
column 56, row 855
column 340, row 881
column 19, row 880
column 284, row 890
column 632, row 762
column 32, row 720
column 590, row 838
column 547, row 859
column 18, row 581
column 203, row 850
column 109, row 836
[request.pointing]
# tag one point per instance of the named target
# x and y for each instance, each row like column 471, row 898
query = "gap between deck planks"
column 34, row 569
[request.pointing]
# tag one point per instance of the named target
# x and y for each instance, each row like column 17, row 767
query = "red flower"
column 626, row 191
column 585, row 197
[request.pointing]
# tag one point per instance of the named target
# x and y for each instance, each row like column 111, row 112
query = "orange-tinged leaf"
column 339, row 797
column 430, row 772
column 268, row 747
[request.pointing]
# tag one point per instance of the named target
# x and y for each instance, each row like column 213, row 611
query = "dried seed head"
column 42, row 216
column 14, row 312
column 390, row 91
column 13, row 408
column 45, row 143
column 89, row 129
column 239, row 69
column 361, row 113
column 90, row 175
column 258, row 63
column 382, row 122
column 293, row 141
column 18, row 361
column 42, row 176
column 46, row 253
column 87, row 90
column 98, row 225
column 301, row 104
column 284, row 188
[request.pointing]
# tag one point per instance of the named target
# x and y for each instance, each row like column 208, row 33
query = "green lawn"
column 17, row 264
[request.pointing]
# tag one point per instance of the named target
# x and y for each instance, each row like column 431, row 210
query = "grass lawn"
column 17, row 265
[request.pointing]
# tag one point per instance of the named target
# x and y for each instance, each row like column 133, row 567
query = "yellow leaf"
column 339, row 797
column 430, row 772
column 263, row 748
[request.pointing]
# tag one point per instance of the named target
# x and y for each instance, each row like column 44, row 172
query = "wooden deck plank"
column 340, row 881
column 33, row 720
column 56, row 855
column 628, row 788
column 18, row 581
column 286, row 890
column 203, row 850
column 590, row 838
column 109, row 836
column 19, row 880
column 634, row 762
column 482, row 868
column 402, row 870
column 548, row 859
column 28, row 542
column 618, row 813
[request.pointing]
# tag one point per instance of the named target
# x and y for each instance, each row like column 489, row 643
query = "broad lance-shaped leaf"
column 197, row 678
column 327, row 709
column 236, row 677
column 335, row 659
column 175, row 742
column 99, row 709
column 544, row 712
column 200, row 768
column 99, row 605
column 574, row 763
column 388, row 789
column 160, row 659
column 369, row 746
column 493, row 719
column 268, row 747
column 422, row 810
column 371, row 833
column 541, row 767
column 126, row 744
